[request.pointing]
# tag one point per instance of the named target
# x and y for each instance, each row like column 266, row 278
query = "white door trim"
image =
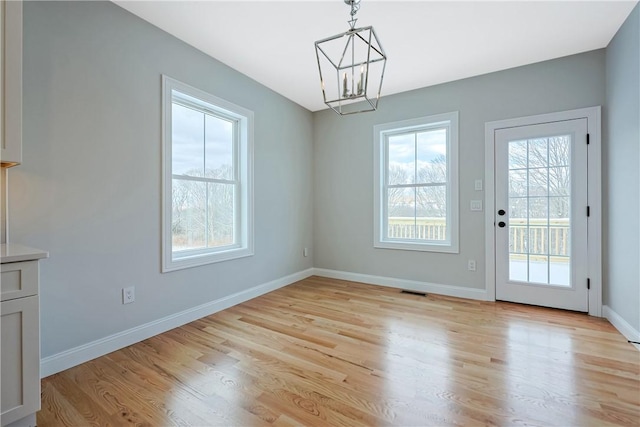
column 594, row 196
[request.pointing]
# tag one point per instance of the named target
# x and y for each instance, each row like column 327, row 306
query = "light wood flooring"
column 325, row 352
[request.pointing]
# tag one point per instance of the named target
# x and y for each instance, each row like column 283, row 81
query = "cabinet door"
column 19, row 359
column 11, row 82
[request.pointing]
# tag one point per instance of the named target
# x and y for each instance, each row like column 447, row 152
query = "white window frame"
column 243, row 143
column 381, row 134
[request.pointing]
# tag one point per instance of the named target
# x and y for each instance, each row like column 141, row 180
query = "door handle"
column 501, row 212
column 501, row 224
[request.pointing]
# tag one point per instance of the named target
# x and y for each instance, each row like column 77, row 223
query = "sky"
column 193, row 133
column 430, row 144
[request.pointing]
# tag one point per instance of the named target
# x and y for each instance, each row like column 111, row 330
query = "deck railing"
column 552, row 239
column 425, row 228
column 522, row 239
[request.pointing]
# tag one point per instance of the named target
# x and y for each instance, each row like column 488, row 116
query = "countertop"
column 12, row 252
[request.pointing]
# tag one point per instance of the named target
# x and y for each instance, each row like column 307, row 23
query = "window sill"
column 204, row 259
column 421, row 247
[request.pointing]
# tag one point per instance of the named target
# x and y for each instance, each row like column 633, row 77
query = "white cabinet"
column 20, row 359
column 11, row 82
column 20, row 325
column 19, row 279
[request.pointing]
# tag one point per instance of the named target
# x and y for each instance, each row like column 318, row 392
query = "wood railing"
column 425, row 228
column 557, row 236
column 555, row 241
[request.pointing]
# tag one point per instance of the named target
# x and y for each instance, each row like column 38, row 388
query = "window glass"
column 416, row 184
column 207, row 192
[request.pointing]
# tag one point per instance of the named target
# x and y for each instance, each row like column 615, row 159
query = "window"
column 416, row 184
column 207, row 178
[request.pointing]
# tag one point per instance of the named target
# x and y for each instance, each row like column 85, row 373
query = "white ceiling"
column 427, row 42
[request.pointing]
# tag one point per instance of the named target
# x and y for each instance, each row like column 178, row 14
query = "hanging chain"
column 355, row 6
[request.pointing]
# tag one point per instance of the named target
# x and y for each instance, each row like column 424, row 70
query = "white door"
column 541, row 214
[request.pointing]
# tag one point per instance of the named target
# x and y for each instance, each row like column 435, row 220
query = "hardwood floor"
column 331, row 352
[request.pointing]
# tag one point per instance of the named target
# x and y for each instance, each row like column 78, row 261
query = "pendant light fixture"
column 351, row 66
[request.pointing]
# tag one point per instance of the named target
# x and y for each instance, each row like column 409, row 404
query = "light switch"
column 476, row 205
column 478, row 185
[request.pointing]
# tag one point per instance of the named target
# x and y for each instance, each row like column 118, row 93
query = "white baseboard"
column 83, row 353
column 28, row 421
column 628, row 331
column 412, row 285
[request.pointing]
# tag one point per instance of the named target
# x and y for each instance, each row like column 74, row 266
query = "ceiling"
column 427, row 42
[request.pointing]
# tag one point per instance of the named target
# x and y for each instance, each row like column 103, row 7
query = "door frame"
column 594, row 196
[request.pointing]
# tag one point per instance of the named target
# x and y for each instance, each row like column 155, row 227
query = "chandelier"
column 351, row 66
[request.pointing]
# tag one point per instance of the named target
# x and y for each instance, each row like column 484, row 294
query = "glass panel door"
column 541, row 221
column 539, row 210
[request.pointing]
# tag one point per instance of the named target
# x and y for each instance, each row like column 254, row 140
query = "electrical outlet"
column 471, row 265
column 305, row 252
column 128, row 295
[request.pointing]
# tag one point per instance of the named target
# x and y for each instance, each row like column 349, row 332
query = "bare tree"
column 179, row 197
column 221, row 206
column 188, row 220
column 431, row 200
column 540, row 168
column 203, row 212
column 396, row 198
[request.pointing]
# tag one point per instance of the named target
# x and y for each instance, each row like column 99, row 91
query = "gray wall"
column 622, row 163
column 89, row 188
column 343, row 154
